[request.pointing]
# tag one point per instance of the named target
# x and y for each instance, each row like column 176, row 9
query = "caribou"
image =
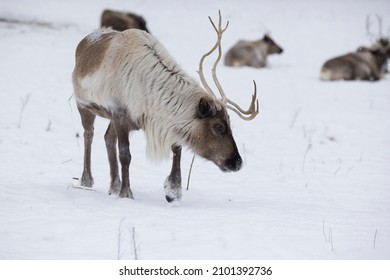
column 366, row 63
column 121, row 21
column 129, row 78
column 252, row 53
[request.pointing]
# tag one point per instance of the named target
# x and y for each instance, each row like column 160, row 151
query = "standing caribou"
column 129, row 78
column 252, row 53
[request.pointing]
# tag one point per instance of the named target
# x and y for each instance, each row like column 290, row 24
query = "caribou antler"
column 379, row 25
column 368, row 27
column 253, row 109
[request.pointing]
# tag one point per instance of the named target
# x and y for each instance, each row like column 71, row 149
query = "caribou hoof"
column 126, row 194
column 173, row 201
column 173, row 195
column 86, row 180
column 115, row 188
column 172, row 190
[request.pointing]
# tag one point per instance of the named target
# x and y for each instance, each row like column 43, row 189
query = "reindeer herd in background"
column 124, row 74
column 366, row 63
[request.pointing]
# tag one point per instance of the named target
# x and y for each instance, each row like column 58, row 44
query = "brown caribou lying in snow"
column 121, row 21
column 367, row 63
column 364, row 64
column 252, row 53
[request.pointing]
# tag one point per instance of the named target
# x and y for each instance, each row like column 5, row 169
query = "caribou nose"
column 238, row 164
column 234, row 164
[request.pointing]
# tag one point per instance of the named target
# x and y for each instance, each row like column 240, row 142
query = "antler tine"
column 253, row 109
column 368, row 27
column 379, row 25
column 219, row 31
column 200, row 71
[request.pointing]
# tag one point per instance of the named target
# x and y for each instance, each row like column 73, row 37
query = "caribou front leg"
column 172, row 184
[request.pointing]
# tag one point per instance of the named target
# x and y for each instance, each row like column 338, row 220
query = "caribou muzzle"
column 232, row 164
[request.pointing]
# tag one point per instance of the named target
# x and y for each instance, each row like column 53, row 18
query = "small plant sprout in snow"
column 24, row 101
column 309, row 147
column 127, row 245
column 329, row 238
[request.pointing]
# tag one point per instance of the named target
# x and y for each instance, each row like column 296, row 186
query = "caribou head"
column 216, row 142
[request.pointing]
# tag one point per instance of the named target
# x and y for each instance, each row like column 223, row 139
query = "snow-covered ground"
column 316, row 180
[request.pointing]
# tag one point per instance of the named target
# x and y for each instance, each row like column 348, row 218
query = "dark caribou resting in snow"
column 121, row 21
column 252, row 53
column 129, row 78
column 364, row 64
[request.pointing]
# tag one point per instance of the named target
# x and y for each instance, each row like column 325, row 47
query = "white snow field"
column 316, row 176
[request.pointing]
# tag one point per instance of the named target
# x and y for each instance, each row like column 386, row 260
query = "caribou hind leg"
column 172, row 184
column 123, row 127
column 87, row 120
column 111, row 141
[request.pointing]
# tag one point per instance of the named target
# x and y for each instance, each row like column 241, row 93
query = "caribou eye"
column 219, row 129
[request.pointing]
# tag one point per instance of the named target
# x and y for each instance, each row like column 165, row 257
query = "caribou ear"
column 206, row 108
